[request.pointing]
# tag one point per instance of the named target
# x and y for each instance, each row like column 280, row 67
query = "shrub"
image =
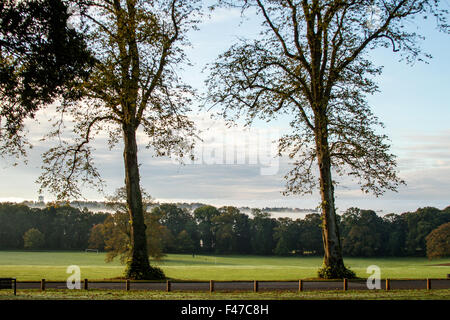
column 33, row 239
column 438, row 242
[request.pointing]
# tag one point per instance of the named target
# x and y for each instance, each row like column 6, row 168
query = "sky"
column 413, row 103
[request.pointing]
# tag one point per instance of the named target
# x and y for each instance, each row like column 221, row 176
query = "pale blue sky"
column 413, row 104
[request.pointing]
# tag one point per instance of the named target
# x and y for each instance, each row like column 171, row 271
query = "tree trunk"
column 138, row 266
column 333, row 262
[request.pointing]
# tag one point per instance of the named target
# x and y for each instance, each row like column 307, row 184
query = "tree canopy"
column 438, row 242
column 41, row 60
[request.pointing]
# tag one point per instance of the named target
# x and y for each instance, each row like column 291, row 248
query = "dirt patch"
column 441, row 265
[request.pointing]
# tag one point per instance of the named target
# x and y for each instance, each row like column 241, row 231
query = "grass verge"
column 61, row 294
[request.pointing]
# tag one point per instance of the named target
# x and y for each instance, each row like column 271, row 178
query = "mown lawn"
column 25, row 265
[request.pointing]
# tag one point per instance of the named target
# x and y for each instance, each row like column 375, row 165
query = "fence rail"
column 242, row 285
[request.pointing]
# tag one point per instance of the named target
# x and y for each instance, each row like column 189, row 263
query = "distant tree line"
column 225, row 230
column 52, row 228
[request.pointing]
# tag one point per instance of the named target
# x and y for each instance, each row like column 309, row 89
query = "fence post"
column 388, row 285
column 168, row 286
column 86, row 284
column 15, row 286
column 428, row 284
column 255, row 286
column 42, row 284
column 300, row 285
column 127, row 285
column 211, row 286
column 345, row 284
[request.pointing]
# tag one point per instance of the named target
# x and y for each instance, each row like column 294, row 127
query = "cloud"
column 418, row 152
column 222, row 15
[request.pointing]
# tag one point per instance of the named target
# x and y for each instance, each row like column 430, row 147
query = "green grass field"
column 25, row 265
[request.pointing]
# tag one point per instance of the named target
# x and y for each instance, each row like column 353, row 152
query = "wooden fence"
column 254, row 285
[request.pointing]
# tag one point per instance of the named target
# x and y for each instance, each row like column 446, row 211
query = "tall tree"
column 263, row 228
column 310, row 61
column 180, row 224
column 41, row 59
column 134, row 85
column 204, row 218
column 396, row 230
column 420, row 223
column 286, row 234
column 362, row 233
column 224, row 230
column 311, row 234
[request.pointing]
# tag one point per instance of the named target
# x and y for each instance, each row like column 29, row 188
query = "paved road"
column 244, row 285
